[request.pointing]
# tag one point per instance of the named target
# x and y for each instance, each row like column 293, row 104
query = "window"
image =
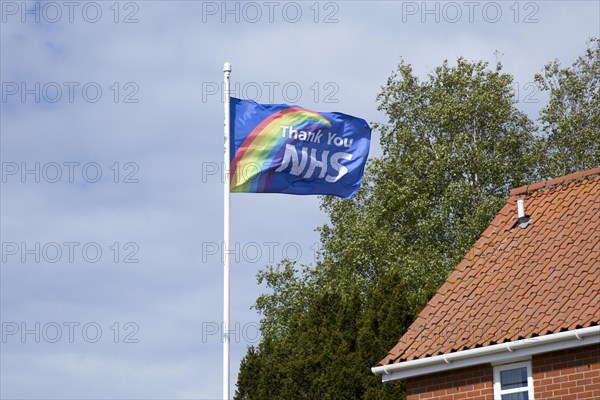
column 513, row 382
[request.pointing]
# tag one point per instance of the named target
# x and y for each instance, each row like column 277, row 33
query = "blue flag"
column 278, row 148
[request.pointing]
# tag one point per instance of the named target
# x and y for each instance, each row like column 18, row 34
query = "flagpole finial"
column 227, row 67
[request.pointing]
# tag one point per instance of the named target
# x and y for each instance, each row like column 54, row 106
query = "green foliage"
column 290, row 295
column 572, row 117
column 328, row 350
column 453, row 147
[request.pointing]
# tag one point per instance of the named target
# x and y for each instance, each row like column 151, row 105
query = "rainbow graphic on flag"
column 261, row 152
column 277, row 148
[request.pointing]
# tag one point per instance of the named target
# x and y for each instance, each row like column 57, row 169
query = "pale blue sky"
column 155, row 134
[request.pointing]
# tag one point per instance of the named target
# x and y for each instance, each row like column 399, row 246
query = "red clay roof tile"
column 532, row 281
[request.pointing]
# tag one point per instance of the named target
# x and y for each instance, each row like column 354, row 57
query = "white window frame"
column 498, row 392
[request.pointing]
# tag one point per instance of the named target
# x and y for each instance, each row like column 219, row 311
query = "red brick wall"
column 572, row 374
column 473, row 383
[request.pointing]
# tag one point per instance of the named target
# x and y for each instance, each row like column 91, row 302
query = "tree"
column 326, row 351
column 571, row 120
column 453, row 147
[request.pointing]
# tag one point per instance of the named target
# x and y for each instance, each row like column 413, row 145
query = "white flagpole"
column 226, row 73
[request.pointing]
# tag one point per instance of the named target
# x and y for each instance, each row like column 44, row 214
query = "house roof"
column 517, row 283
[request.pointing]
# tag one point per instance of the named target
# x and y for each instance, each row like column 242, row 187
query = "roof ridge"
column 561, row 180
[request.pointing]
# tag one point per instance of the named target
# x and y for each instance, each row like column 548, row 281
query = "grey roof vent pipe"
column 521, row 208
column 523, row 220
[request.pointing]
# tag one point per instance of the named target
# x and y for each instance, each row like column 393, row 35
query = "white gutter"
column 496, row 353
